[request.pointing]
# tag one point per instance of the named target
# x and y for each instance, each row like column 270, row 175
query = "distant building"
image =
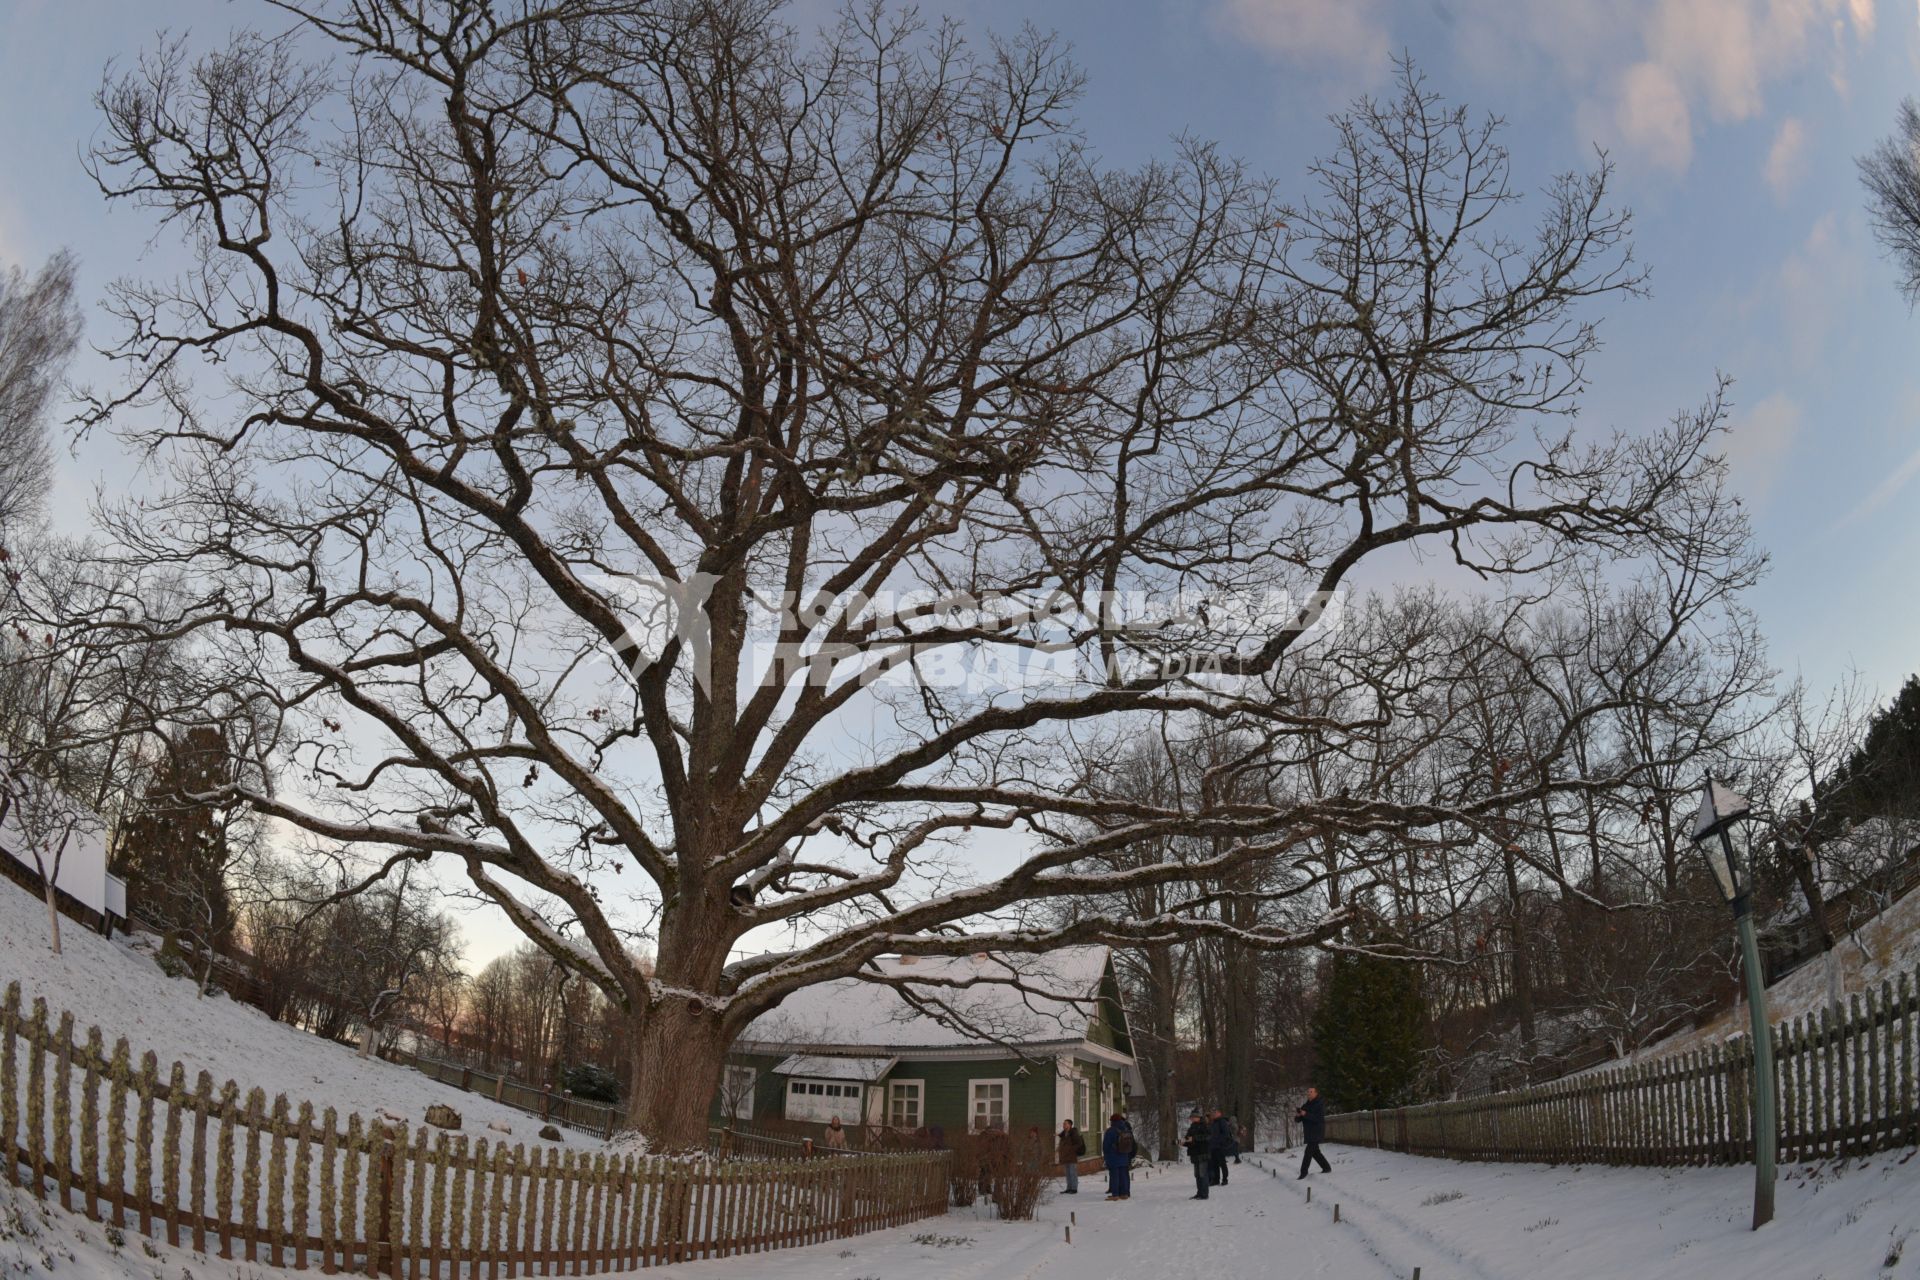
column 71, row 841
column 987, row 1055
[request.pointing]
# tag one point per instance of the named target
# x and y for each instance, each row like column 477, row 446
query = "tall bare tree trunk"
column 1165, row 1032
column 1238, row 1038
column 53, row 913
column 1522, row 967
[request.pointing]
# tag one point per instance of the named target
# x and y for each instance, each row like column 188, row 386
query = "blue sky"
column 1734, row 124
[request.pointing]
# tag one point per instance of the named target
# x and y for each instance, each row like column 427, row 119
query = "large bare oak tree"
column 509, row 324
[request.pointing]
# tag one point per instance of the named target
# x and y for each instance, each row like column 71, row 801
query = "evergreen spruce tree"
column 1369, row 1033
column 1882, row 777
column 173, row 853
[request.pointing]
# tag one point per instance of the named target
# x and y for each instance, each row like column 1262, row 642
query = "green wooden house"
column 973, row 1043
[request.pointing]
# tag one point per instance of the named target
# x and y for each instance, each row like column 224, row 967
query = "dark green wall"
column 1030, row 1100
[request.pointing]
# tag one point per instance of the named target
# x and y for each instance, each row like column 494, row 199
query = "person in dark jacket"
column 1070, row 1147
column 1312, row 1116
column 1196, row 1145
column 1116, row 1147
column 1219, row 1146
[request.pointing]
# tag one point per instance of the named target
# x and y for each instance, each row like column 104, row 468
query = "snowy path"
column 1847, row 1220
column 1255, row 1226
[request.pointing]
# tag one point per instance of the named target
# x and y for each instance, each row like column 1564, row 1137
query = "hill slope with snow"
column 1882, row 949
column 117, row 986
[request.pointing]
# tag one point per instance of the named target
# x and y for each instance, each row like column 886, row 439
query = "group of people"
column 1117, row 1150
column 1210, row 1143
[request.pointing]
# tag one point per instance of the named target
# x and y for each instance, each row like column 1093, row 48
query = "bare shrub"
column 1014, row 1172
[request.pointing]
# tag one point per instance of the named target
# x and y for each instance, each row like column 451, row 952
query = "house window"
column 987, row 1104
column 821, row 1100
column 903, row 1103
column 736, row 1094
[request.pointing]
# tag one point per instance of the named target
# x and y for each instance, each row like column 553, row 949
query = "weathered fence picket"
column 278, row 1185
column 1844, row 1075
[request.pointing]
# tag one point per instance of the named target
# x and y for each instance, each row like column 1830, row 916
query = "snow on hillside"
column 1884, row 948
column 118, row 987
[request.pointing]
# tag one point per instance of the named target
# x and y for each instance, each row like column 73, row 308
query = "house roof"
column 1024, row 1000
column 825, row 1067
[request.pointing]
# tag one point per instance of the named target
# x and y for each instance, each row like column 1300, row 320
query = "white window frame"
column 901, row 1090
column 742, row 1098
column 819, row 1099
column 973, row 1103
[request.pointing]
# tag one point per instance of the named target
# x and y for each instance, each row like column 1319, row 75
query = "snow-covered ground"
column 1474, row 1222
column 119, row 988
column 1850, row 1220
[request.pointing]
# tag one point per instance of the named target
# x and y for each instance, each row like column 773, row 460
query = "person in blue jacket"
column 1116, row 1146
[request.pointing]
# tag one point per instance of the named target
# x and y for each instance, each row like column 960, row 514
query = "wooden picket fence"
column 287, row 1188
column 1844, row 1079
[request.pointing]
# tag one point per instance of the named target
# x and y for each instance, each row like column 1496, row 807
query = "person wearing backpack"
column 1116, row 1147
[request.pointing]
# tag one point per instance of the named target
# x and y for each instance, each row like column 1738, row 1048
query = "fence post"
column 379, row 1235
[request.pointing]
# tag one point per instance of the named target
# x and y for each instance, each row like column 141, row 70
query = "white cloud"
column 1348, row 35
column 1630, row 65
column 1812, row 288
column 1786, row 158
column 1651, row 115
column 1644, row 76
column 1759, row 442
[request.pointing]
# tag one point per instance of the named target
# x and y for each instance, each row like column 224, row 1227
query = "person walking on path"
column 1312, row 1116
column 1219, row 1146
column 836, row 1136
column 1116, row 1146
column 1071, row 1148
column 1196, row 1145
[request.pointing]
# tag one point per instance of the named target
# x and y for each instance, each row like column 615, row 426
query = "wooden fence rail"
column 599, row 1117
column 582, row 1114
column 242, row 1177
column 1845, row 1082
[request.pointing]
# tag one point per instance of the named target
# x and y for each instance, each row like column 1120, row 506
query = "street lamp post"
column 1721, row 809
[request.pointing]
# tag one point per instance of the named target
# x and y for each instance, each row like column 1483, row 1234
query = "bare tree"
column 849, row 355
column 77, row 725
column 39, row 329
column 1891, row 174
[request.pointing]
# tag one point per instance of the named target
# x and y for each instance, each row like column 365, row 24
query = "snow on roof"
column 824, row 1067
column 1053, row 1002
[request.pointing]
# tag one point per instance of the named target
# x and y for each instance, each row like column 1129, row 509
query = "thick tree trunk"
column 678, row 1058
